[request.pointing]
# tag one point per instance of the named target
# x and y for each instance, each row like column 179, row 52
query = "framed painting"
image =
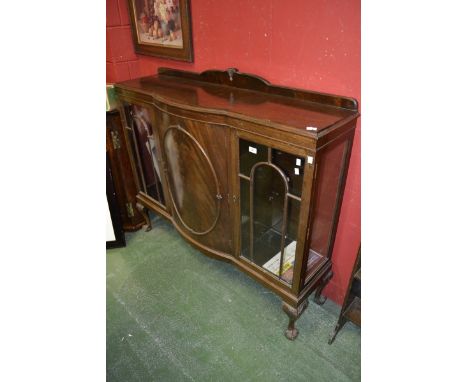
column 115, row 236
column 162, row 28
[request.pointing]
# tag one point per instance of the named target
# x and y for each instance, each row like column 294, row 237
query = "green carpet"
column 174, row 314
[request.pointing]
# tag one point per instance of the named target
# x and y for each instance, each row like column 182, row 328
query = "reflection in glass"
column 146, row 148
column 249, row 154
column 268, row 193
column 293, row 167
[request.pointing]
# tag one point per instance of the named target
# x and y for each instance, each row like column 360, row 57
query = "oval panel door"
column 197, row 176
column 193, row 183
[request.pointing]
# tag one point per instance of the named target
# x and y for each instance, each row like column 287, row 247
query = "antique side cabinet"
column 247, row 172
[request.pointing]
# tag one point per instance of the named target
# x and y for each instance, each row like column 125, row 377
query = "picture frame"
column 162, row 28
column 115, row 235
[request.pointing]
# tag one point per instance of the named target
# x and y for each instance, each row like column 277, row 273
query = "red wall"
column 310, row 44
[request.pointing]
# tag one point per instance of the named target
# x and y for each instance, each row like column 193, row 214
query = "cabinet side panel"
column 330, row 166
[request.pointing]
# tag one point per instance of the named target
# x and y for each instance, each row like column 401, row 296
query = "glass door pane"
column 268, row 193
column 293, row 167
column 269, row 211
column 144, row 141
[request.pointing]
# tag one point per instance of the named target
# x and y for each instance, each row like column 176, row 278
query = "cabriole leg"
column 293, row 314
column 144, row 211
column 318, row 298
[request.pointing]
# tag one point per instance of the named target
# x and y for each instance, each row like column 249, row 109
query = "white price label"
column 310, row 159
column 296, row 171
column 298, row 162
column 253, row 150
column 311, row 128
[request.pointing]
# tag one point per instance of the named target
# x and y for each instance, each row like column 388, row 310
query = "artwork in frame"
column 115, row 236
column 162, row 28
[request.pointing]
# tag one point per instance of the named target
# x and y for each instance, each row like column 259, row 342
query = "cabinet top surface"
column 247, row 97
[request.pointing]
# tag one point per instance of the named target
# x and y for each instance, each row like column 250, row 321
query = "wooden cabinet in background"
column 123, row 176
column 247, row 172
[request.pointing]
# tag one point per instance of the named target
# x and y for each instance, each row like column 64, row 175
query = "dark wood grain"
column 233, row 78
column 199, row 120
column 198, row 177
column 291, row 113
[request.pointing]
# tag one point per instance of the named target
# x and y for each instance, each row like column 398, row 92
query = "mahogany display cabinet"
column 246, row 171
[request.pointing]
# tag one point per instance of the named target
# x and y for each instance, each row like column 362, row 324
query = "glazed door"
column 144, row 142
column 196, row 165
column 271, row 192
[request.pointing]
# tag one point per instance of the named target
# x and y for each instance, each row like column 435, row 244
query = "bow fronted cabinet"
column 247, row 172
